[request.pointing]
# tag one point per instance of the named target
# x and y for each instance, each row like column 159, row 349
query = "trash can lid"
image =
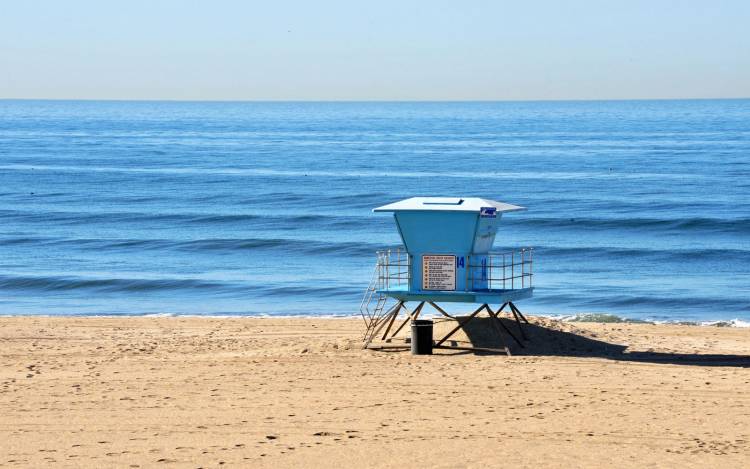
column 421, row 322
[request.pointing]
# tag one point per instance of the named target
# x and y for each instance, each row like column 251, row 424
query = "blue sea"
column 639, row 209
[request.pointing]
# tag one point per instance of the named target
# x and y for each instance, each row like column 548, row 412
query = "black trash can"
column 421, row 337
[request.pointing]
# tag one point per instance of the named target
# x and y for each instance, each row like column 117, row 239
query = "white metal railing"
column 393, row 268
column 492, row 271
column 501, row 270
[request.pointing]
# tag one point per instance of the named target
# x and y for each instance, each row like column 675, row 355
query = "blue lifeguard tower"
column 446, row 257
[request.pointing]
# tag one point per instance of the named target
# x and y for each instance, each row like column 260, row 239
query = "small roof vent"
column 443, row 201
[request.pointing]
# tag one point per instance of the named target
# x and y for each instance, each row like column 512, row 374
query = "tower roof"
column 447, row 204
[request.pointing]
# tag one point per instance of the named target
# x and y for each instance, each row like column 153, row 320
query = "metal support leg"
column 462, row 324
column 505, row 328
column 520, row 327
column 517, row 311
column 386, row 317
column 393, row 319
column 440, row 310
column 497, row 329
column 412, row 316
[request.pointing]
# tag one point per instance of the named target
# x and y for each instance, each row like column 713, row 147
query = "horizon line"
column 168, row 100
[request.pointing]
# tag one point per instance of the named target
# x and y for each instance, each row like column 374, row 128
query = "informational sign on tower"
column 438, row 272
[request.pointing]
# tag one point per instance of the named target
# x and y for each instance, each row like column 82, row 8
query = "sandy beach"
column 240, row 392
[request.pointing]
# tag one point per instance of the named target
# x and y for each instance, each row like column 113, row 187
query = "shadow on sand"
column 545, row 341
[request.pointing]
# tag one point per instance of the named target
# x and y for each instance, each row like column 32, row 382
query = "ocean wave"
column 613, row 318
column 246, row 220
column 65, row 283
column 366, row 250
column 599, row 317
column 322, row 221
column 729, row 323
column 293, row 245
column 606, row 318
column 291, row 173
column 641, row 303
column 51, row 284
column 662, row 255
column 207, row 245
column 691, row 224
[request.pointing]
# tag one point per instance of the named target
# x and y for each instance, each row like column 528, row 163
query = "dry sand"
column 210, row 392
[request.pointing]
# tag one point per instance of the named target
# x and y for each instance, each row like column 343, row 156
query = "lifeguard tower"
column 446, row 257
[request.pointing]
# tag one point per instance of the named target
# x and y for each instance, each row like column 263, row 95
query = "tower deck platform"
column 494, row 296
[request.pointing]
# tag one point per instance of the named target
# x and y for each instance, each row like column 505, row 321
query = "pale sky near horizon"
column 377, row 50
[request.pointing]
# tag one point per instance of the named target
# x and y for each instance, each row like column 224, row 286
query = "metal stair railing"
column 364, row 306
column 391, row 269
column 375, row 322
column 371, row 314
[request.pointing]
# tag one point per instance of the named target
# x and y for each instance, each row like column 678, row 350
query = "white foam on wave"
column 730, row 323
column 580, row 317
column 613, row 318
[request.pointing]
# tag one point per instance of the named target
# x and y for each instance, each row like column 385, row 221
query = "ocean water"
column 639, row 209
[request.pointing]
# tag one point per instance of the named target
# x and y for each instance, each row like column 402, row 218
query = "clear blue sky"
column 374, row 50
